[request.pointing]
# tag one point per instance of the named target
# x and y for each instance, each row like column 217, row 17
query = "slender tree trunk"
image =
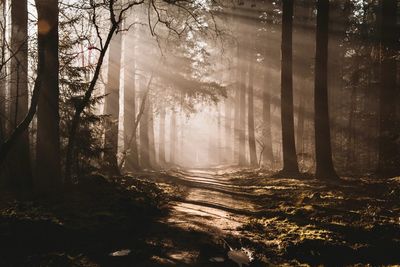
column 161, row 148
column 250, row 118
column 290, row 165
column 3, row 73
column 323, row 151
column 19, row 165
column 111, row 105
column 172, row 138
column 237, row 109
column 242, row 115
column 152, row 147
column 268, row 157
column 300, row 128
column 389, row 154
column 144, row 138
column 131, row 162
column 228, row 131
column 48, row 165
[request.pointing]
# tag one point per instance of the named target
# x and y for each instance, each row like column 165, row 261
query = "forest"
column 199, row 133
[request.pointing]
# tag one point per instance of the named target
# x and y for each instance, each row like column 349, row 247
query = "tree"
column 267, row 153
column 250, row 118
column 242, row 110
column 132, row 160
column 19, row 165
column 389, row 159
column 111, row 105
column 161, row 144
column 144, row 134
column 48, row 165
column 323, row 151
column 290, row 165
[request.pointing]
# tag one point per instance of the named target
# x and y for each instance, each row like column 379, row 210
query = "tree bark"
column 152, row 147
column 268, row 157
column 111, row 105
column 144, row 138
column 161, row 148
column 19, row 165
column 389, row 158
column 323, row 151
column 290, row 165
column 242, row 112
column 172, row 138
column 3, row 74
column 132, row 161
column 48, row 166
column 250, row 117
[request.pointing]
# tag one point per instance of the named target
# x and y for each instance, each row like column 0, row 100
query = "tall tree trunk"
column 172, row 138
column 300, row 128
column 236, row 126
column 152, row 147
column 19, row 165
column 389, row 158
column 228, row 131
column 268, row 157
column 48, row 165
column 290, row 165
column 3, row 73
column 242, row 114
column 161, row 145
column 323, row 151
column 111, row 105
column 144, row 138
column 250, row 118
column 131, row 162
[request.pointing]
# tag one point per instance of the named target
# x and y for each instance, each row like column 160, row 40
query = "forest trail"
column 212, row 203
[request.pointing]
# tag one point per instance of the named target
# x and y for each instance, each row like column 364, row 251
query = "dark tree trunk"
column 19, row 165
column 172, row 138
column 242, row 112
column 389, row 154
column 111, row 105
column 132, row 161
column 228, row 131
column 161, row 148
column 290, row 165
column 144, row 138
column 323, row 151
column 48, row 165
column 3, row 75
column 250, row 117
column 236, row 126
column 152, row 147
column 300, row 128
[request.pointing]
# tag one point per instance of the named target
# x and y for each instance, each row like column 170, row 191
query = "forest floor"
column 191, row 218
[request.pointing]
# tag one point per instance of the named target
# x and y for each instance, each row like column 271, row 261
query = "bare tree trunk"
column 250, row 118
column 290, row 165
column 389, row 158
column 228, row 131
column 132, row 161
column 242, row 114
column 152, row 147
column 323, row 151
column 237, row 110
column 300, row 128
column 144, row 138
column 48, row 161
column 268, row 158
column 172, row 138
column 3, row 73
column 111, row 105
column 161, row 148
column 19, row 166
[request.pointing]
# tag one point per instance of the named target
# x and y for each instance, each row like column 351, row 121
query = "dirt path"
column 212, row 203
